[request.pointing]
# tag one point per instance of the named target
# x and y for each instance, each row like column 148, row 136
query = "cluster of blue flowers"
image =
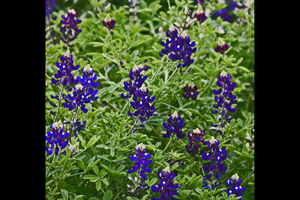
column 225, row 100
column 50, row 6
column 166, row 188
column 141, row 165
column 77, row 126
column 108, row 22
column 178, row 48
column 69, row 27
column 56, row 138
column 141, row 159
column 216, row 168
column 226, row 13
column 200, row 14
column 140, row 95
column 84, row 91
column 235, row 186
column 175, row 125
column 195, row 138
column 190, row 91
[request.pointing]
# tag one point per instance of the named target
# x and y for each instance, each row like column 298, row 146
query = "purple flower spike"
column 69, row 27
column 200, row 14
column 108, row 22
column 221, row 46
column 50, row 6
column 224, row 99
column 175, row 125
column 56, row 138
column 190, row 91
column 216, row 168
column 178, row 48
column 166, row 188
column 235, row 186
column 195, row 139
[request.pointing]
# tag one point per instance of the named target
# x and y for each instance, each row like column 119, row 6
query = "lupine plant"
column 149, row 100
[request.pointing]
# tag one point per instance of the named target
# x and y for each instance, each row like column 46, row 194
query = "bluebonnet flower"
column 50, row 6
column 221, row 46
column 178, row 48
column 84, row 91
column 226, row 13
column 175, row 125
column 141, row 159
column 220, row 30
column 235, row 186
column 136, row 81
column 196, row 2
column 141, row 166
column 225, row 100
column 166, row 188
column 200, row 14
column 195, row 138
column 64, row 75
column 108, row 22
column 216, row 168
column 172, row 162
column 69, row 27
column 56, row 138
column 190, row 91
column 77, row 126
column 140, row 95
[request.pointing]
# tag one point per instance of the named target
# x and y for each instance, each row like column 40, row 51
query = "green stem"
column 167, row 144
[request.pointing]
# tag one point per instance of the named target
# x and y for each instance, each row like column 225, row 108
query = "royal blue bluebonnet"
column 141, row 161
column 69, row 28
column 50, row 6
column 178, row 48
column 224, row 101
column 84, row 92
column 175, row 125
column 195, row 139
column 216, row 168
column 77, row 126
column 64, row 77
column 221, row 46
column 57, row 138
column 235, row 186
column 141, row 102
column 227, row 13
column 190, row 91
column 166, row 188
column 137, row 188
column 200, row 14
column 108, row 22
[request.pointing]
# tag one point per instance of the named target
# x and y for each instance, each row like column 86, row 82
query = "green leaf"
column 64, row 193
column 112, row 88
column 153, row 181
column 105, row 181
column 120, row 168
column 134, row 55
column 243, row 69
column 80, row 164
column 98, row 185
column 107, row 195
column 92, row 141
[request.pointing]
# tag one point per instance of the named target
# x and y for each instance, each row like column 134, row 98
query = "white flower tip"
column 72, row 11
column 212, row 140
column 79, row 87
column 196, row 130
column 167, row 169
column 67, row 54
column 174, row 115
column 223, row 74
column 221, row 41
column 184, row 34
column 235, row 177
column 140, row 146
column 200, row 9
column 143, row 88
column 172, row 28
column 88, row 68
column 107, row 18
